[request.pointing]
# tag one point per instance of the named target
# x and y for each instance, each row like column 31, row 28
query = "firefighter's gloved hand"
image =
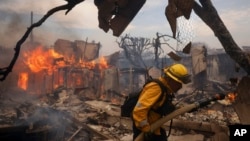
column 148, row 136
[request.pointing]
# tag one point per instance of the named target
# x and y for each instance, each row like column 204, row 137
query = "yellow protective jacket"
column 143, row 116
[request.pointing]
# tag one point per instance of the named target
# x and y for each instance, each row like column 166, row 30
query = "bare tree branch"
column 134, row 48
column 4, row 72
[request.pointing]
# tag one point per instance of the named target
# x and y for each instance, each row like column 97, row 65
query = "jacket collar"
column 165, row 83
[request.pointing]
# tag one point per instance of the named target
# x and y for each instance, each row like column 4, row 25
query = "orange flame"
column 47, row 59
column 41, row 59
column 231, row 96
column 89, row 65
column 103, row 64
column 23, row 80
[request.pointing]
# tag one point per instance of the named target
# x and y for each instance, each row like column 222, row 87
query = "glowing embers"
column 231, row 96
column 229, row 99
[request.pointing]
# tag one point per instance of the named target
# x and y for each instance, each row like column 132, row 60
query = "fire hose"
column 180, row 111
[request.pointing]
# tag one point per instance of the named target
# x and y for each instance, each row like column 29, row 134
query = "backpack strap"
column 163, row 88
column 167, row 106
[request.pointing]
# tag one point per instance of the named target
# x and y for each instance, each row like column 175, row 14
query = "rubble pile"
column 65, row 115
column 225, row 117
column 35, row 117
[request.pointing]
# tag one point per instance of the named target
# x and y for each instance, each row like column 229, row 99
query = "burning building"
column 49, row 73
column 76, row 65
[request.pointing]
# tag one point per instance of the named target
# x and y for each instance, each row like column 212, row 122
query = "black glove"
column 148, row 136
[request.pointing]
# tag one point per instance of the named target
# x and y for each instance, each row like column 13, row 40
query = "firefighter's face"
column 175, row 85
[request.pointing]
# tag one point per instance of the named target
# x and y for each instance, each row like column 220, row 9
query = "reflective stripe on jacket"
column 142, row 115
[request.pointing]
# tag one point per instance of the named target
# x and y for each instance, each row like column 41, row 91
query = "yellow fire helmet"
column 178, row 72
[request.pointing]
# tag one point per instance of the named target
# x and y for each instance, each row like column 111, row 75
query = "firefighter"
column 151, row 105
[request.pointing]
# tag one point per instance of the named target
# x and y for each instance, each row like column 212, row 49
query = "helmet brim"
column 184, row 80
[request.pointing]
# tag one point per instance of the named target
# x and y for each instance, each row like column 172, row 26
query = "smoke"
column 28, row 111
column 12, row 28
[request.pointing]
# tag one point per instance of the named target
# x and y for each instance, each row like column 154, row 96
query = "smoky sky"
column 13, row 26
